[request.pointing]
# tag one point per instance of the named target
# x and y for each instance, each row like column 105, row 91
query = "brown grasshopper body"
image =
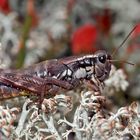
column 47, row 77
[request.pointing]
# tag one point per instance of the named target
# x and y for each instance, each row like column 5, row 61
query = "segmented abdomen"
column 7, row 92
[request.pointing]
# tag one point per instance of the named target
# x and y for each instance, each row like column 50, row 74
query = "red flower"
column 4, row 6
column 136, row 31
column 84, row 39
column 104, row 21
column 32, row 12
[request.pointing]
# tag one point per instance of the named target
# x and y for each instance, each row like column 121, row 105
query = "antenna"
column 124, row 40
column 122, row 61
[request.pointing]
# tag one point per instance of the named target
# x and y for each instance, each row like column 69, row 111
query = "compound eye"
column 102, row 58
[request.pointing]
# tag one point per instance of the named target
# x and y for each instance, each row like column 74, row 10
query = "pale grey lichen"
column 117, row 80
column 86, row 118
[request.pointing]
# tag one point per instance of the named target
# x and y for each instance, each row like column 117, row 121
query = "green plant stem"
column 22, row 51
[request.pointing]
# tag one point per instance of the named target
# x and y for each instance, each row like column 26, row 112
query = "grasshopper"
column 46, row 78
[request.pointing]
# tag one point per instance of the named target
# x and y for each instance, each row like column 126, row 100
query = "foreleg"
column 91, row 84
